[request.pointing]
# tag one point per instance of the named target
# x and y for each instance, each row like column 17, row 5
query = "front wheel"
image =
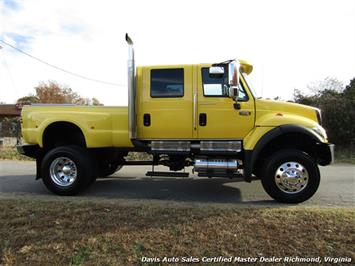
column 290, row 176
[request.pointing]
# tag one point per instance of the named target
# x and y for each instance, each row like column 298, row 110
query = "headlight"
column 321, row 132
column 319, row 116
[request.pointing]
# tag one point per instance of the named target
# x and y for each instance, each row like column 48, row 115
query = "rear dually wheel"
column 67, row 170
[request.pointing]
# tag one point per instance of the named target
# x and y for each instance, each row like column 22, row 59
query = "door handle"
column 203, row 119
column 244, row 113
column 146, row 120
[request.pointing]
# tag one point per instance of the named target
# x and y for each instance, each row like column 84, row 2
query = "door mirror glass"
column 216, row 72
column 233, row 74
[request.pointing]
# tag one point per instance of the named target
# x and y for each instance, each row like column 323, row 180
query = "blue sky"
column 290, row 43
column 11, row 4
column 19, row 41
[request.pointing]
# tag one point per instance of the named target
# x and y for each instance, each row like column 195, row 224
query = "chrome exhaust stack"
column 131, row 90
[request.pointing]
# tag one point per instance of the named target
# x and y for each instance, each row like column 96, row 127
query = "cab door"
column 218, row 117
column 165, row 103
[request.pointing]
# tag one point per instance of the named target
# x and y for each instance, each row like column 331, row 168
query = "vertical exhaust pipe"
column 131, row 90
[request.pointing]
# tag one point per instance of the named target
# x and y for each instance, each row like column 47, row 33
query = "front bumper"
column 29, row 150
column 325, row 153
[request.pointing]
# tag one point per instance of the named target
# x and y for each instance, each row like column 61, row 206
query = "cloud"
column 290, row 43
column 73, row 28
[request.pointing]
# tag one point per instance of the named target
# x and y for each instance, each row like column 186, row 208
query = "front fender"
column 275, row 119
column 259, row 138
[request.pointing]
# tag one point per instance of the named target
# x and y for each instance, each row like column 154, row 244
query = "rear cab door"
column 165, row 102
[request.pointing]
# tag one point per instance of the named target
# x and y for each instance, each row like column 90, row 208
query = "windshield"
column 250, row 85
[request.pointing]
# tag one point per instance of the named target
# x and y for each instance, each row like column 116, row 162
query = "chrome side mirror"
column 233, row 74
column 233, row 80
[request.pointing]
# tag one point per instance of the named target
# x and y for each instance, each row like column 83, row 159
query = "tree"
column 26, row 100
column 331, row 84
column 337, row 105
column 349, row 91
column 96, row 102
column 53, row 92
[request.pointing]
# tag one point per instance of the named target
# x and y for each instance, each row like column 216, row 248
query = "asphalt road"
column 337, row 188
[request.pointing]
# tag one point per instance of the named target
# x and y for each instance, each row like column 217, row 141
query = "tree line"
column 50, row 92
column 337, row 104
column 55, row 93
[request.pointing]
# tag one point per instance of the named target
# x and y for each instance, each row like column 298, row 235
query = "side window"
column 242, row 95
column 167, row 83
column 213, row 86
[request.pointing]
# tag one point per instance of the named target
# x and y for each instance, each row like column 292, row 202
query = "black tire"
column 83, row 165
column 274, row 163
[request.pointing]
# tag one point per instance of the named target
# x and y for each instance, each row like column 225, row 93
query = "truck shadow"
column 174, row 189
column 170, row 189
column 215, row 190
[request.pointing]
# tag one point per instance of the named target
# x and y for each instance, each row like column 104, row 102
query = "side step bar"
column 213, row 174
column 139, row 163
column 172, row 174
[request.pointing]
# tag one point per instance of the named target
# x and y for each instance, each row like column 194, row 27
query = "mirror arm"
column 233, row 92
column 237, row 106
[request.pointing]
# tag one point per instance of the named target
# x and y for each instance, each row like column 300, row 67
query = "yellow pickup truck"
column 206, row 116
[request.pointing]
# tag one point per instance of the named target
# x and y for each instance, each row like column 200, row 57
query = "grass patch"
column 71, row 232
column 81, row 256
column 139, row 156
column 344, row 154
column 10, row 153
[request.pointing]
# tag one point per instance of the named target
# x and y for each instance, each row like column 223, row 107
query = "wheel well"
column 63, row 133
column 292, row 140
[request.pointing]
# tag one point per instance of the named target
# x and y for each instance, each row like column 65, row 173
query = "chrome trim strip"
column 170, row 145
column 234, row 146
column 195, row 111
column 186, row 145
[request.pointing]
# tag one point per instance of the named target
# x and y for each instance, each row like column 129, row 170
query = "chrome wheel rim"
column 291, row 177
column 63, row 171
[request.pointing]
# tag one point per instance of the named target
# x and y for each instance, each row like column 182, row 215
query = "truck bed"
column 102, row 126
